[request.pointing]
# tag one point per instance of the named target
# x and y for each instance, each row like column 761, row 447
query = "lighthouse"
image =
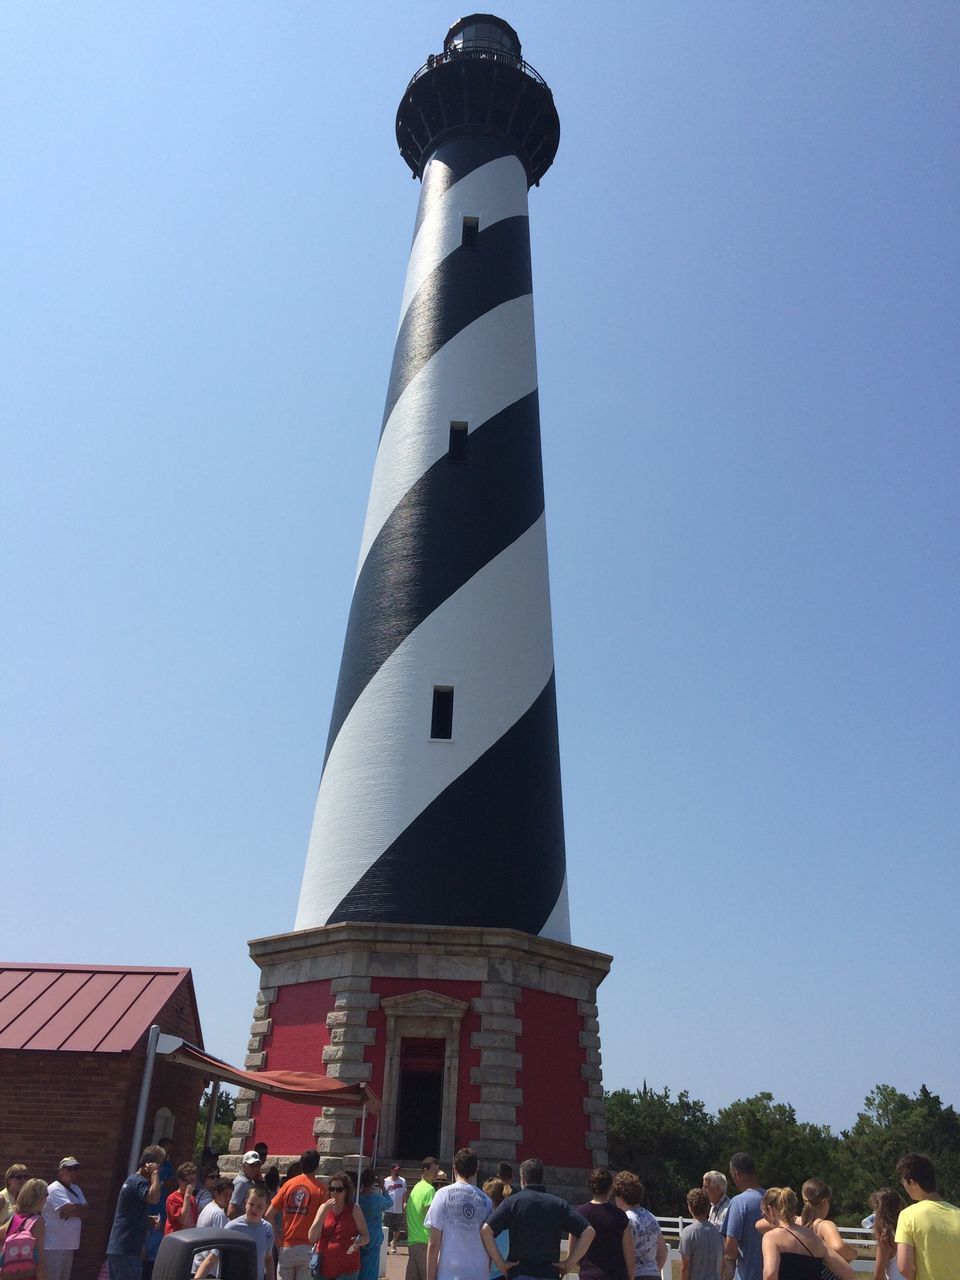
column 431, row 954
column 442, row 773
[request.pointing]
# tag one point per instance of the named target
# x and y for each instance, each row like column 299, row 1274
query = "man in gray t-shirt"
column 701, row 1244
column 251, row 1174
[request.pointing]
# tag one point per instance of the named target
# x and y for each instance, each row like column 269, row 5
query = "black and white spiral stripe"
column 451, row 590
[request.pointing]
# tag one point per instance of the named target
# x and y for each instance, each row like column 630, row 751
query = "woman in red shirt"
column 339, row 1231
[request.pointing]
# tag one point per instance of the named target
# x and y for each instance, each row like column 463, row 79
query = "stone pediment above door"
column 424, row 1004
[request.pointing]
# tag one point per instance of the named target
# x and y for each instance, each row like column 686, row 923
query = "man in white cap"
column 63, row 1212
column 250, row 1175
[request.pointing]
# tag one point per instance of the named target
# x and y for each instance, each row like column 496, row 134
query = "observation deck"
column 479, row 83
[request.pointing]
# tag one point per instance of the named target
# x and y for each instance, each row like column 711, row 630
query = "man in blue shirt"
column 742, row 1243
column 136, row 1205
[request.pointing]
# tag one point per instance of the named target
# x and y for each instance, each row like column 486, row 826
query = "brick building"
column 73, row 1042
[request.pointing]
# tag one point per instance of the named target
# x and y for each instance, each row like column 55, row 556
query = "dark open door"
column 419, row 1098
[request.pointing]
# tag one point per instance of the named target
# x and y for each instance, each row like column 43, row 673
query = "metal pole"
column 136, row 1141
column 376, row 1144
column 363, row 1126
column 212, row 1113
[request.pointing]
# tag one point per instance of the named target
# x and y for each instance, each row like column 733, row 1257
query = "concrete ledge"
column 491, row 1074
column 501, row 1093
column 353, row 983
column 343, row 1053
column 501, row 1058
column 394, row 966
column 352, row 1071
column 343, row 1123
column 356, row 1000
column 543, row 963
column 499, row 1131
column 498, row 1022
column 493, row 1004
column 347, row 1018
column 492, row 1040
column 501, row 1112
column 352, row 1035
column 500, row 991
column 334, row 1146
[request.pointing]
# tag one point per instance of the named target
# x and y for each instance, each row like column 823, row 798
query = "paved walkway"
column 397, row 1264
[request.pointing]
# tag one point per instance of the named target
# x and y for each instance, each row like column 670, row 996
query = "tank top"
column 338, row 1233
column 799, row 1266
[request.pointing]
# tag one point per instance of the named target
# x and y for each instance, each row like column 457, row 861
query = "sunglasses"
column 19, row 1177
column 336, row 1189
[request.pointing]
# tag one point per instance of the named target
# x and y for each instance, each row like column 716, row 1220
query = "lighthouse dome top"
column 479, row 84
column 483, row 31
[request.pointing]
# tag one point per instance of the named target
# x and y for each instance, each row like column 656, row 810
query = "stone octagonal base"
column 514, row 1017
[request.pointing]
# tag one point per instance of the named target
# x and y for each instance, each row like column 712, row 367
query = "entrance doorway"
column 419, row 1098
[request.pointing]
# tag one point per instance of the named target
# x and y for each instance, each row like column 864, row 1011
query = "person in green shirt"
column 418, row 1234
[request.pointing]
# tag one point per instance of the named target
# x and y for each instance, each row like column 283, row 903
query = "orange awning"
column 292, row 1086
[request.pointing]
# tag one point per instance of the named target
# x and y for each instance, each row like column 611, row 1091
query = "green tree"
column 668, row 1142
column 786, row 1151
column 890, row 1125
column 226, row 1113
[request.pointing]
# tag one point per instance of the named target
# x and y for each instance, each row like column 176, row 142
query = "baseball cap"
column 69, row 1162
column 395, row 1166
column 252, row 1157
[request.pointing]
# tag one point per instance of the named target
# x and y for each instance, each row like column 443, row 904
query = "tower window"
column 457, row 451
column 441, row 719
column 470, row 236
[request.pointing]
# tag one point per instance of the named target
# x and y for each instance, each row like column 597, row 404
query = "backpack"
column 19, row 1257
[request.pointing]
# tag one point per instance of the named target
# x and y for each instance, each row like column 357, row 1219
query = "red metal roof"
column 82, row 1008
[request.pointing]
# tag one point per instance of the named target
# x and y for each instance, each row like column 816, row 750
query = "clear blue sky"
column 746, row 281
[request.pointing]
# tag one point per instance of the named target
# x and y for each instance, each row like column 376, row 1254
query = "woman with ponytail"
column 791, row 1251
column 815, row 1214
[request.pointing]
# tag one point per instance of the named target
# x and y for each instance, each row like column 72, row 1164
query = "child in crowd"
column 252, row 1225
column 701, row 1244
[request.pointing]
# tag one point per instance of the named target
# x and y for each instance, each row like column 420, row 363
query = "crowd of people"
column 461, row 1230
column 771, row 1234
